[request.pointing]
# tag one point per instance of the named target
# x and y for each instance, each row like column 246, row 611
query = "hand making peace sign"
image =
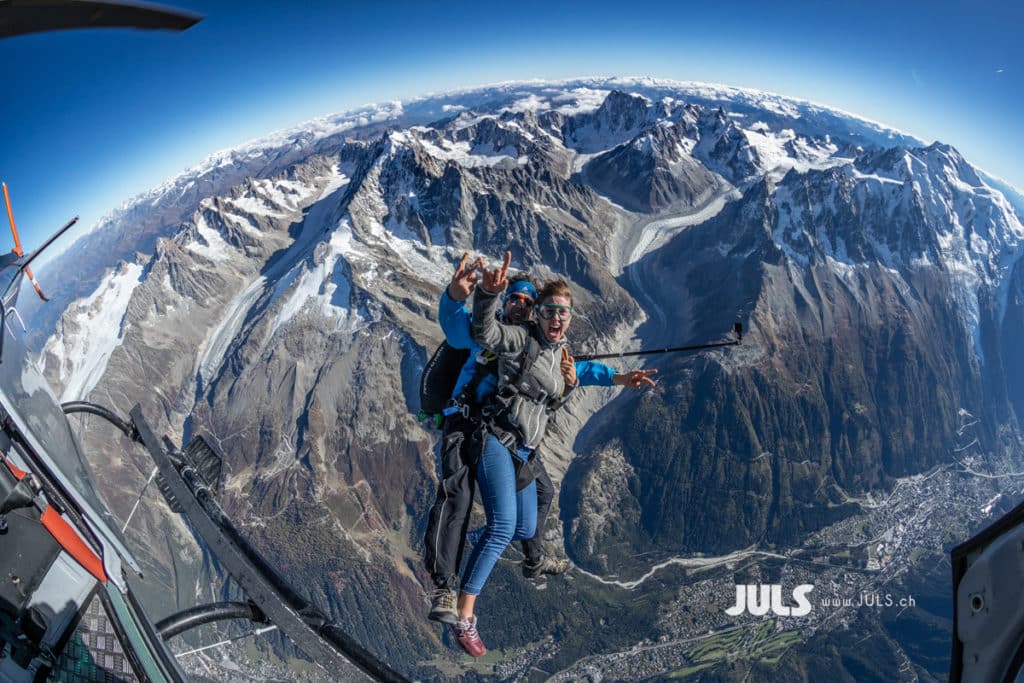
column 635, row 379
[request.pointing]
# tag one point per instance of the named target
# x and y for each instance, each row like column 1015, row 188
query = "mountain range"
column 281, row 298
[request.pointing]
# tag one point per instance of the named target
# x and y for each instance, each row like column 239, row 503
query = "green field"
column 757, row 642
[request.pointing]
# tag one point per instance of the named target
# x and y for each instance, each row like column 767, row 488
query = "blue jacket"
column 456, row 321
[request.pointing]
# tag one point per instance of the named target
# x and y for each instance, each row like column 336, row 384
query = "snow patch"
column 465, row 155
column 98, row 328
column 213, row 348
column 275, row 198
column 241, row 221
column 875, row 177
column 323, row 287
column 657, row 233
column 211, row 245
column 787, row 225
column 783, row 150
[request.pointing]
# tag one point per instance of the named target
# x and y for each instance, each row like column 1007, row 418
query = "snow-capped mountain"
column 282, row 298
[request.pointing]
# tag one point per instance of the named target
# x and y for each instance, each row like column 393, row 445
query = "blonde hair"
column 553, row 288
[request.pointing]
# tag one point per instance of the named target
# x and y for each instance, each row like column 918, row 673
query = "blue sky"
column 94, row 117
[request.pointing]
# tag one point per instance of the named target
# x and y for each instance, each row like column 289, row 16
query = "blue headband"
column 522, row 287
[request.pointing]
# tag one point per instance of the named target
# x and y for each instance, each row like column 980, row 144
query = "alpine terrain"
column 282, row 299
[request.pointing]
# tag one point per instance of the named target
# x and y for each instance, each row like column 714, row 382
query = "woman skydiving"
column 533, row 361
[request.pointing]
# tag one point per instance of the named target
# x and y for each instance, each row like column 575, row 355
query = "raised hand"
column 495, row 281
column 635, row 379
column 464, row 280
column 568, row 368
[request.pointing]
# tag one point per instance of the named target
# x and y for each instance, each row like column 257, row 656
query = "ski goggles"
column 549, row 311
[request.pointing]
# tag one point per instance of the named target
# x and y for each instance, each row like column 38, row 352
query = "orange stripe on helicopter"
column 10, row 216
column 17, row 244
column 19, row 474
column 66, row 534
column 73, row 543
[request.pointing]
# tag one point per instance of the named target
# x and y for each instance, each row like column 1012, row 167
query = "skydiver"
column 528, row 386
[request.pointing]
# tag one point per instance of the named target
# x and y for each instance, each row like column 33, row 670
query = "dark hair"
column 554, row 288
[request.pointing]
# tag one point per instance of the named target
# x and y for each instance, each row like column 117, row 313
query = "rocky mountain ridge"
column 283, row 301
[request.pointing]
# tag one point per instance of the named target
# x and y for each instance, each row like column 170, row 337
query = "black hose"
column 188, row 619
column 85, row 407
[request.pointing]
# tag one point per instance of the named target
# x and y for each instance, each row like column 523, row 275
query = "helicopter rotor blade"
column 18, row 17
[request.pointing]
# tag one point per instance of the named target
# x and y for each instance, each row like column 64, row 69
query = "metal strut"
column 736, row 328
column 295, row 617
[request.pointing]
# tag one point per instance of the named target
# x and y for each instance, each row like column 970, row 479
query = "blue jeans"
column 511, row 514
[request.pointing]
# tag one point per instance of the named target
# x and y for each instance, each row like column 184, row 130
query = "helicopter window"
column 37, row 419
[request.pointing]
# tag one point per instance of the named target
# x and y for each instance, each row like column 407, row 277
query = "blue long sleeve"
column 592, row 373
column 456, row 322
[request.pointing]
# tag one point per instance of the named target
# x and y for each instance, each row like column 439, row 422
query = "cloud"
column 1000, row 70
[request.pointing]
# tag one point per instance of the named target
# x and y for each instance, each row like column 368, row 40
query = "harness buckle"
column 504, row 436
column 454, row 407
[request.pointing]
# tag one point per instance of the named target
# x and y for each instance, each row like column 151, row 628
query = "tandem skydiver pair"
column 516, row 372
